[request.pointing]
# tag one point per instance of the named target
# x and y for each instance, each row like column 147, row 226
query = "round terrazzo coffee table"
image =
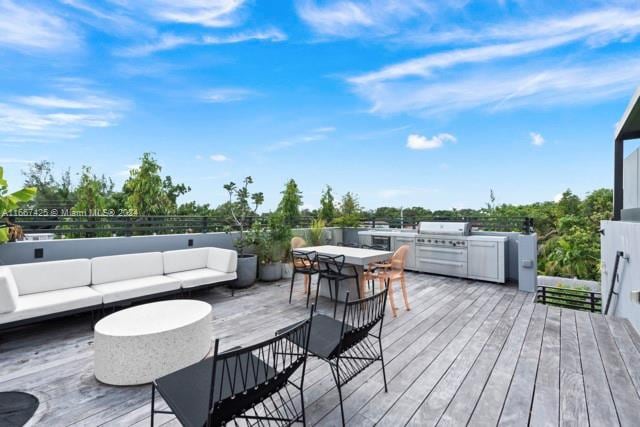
column 142, row 343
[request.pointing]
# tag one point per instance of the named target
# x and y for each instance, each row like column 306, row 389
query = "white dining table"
column 357, row 258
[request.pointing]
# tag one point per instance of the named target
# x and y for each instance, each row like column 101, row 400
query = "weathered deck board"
column 573, row 406
column 467, row 353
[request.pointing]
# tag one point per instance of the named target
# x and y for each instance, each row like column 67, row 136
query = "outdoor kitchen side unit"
column 447, row 248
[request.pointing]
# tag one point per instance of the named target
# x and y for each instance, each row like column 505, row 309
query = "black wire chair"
column 353, row 344
column 249, row 386
column 303, row 263
column 334, row 270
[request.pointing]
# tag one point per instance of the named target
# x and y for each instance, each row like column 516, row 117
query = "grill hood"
column 445, row 228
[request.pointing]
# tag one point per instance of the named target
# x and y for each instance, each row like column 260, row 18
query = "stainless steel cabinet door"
column 396, row 242
column 483, row 262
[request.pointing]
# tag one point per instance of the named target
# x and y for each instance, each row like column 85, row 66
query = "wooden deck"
column 467, row 353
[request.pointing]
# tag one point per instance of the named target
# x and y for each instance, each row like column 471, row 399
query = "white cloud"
column 487, row 75
column 395, row 193
column 125, row 173
column 536, row 139
column 558, row 197
column 170, row 41
column 317, row 134
column 27, row 28
column 595, row 26
column 346, row 18
column 426, row 65
column 504, row 88
column 224, row 95
column 13, row 160
column 60, row 116
column 420, row 142
column 207, row 13
column 218, row 157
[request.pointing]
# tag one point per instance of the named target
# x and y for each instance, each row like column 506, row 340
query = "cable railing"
column 67, row 226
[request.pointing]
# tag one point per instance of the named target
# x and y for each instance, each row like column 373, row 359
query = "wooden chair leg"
column 307, row 279
column 394, row 310
column 403, row 285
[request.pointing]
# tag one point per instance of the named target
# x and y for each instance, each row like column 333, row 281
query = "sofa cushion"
column 8, row 291
column 36, row 277
column 224, row 260
column 52, row 302
column 116, row 268
column 201, row 276
column 185, row 259
column 135, row 288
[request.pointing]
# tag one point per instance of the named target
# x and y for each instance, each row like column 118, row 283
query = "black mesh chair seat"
column 187, row 391
column 353, row 344
column 324, row 341
column 249, row 385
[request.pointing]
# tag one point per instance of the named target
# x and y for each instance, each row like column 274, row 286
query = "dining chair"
column 298, row 242
column 335, row 271
column 254, row 385
column 304, row 263
column 352, row 344
column 389, row 272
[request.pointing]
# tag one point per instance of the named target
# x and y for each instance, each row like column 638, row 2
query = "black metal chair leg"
column 293, row 277
column 358, row 285
column 309, row 292
column 317, row 292
column 341, row 405
column 384, row 373
column 153, row 400
column 335, row 303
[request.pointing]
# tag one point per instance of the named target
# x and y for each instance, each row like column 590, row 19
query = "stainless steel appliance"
column 383, row 242
column 441, row 248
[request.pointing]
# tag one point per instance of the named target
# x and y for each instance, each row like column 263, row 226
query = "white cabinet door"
column 483, row 260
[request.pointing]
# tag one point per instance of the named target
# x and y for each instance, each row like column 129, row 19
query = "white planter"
column 287, row 270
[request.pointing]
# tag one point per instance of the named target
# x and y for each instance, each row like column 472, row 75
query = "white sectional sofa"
column 36, row 291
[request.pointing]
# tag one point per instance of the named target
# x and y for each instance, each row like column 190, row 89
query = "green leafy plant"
column 316, row 232
column 241, row 211
column 9, row 202
column 270, row 239
column 350, row 212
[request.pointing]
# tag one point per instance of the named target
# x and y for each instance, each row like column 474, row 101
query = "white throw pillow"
column 8, row 291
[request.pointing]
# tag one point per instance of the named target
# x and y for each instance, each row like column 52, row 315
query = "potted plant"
column 243, row 207
column 315, row 234
column 271, row 244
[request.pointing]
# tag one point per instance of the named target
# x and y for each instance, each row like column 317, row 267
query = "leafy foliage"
column 327, row 205
column 147, row 193
column 289, row 206
column 350, row 211
column 241, row 211
column 9, row 202
column 315, row 232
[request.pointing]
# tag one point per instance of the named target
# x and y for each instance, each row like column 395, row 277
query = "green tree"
column 289, row 206
column 147, row 193
column 10, row 202
column 50, row 191
column 350, row 211
column 327, row 210
column 92, row 193
column 242, row 207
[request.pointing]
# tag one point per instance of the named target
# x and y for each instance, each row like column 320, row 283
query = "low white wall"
column 625, row 237
column 555, row 281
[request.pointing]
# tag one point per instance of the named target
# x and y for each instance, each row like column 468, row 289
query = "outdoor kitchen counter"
column 355, row 257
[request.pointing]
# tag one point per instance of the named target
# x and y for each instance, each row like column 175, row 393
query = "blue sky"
column 404, row 102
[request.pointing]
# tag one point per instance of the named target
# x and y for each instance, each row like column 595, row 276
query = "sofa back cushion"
column 223, row 260
column 106, row 269
column 8, row 291
column 37, row 277
column 185, row 259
